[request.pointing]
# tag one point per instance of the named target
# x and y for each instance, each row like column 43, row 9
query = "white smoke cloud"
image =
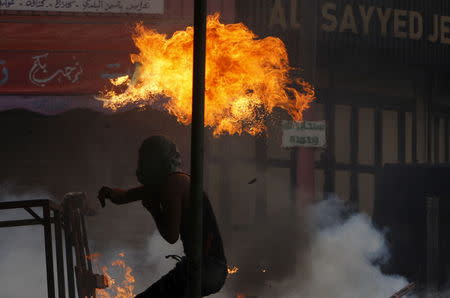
column 157, row 251
column 22, row 255
column 341, row 260
column 22, row 263
column 344, row 255
column 341, row 254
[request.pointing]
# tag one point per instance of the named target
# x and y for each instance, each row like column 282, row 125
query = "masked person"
column 165, row 193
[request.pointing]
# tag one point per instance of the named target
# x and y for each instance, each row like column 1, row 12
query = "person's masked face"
column 152, row 168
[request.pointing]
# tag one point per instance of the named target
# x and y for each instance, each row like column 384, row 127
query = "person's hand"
column 103, row 194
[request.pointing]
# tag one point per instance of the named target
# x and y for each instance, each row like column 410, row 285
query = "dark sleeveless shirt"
column 212, row 240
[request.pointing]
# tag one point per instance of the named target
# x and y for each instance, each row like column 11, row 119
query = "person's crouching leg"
column 171, row 285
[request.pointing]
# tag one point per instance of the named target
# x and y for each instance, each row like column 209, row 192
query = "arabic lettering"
column 114, row 75
column 4, row 73
column 7, row 3
column 117, row 6
column 304, row 140
column 64, row 4
column 39, row 69
column 139, row 6
column 89, row 5
column 92, row 4
column 35, row 3
column 124, row 6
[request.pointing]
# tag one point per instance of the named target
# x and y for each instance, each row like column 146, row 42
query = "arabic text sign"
column 304, row 134
column 66, row 72
column 98, row 6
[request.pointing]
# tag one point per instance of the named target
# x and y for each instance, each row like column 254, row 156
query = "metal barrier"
column 68, row 219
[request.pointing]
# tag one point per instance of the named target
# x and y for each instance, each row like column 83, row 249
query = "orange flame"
column 246, row 78
column 233, row 270
column 93, row 257
column 118, row 289
column 240, row 295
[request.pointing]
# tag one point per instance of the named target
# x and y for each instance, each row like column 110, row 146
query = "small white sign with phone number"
column 304, row 134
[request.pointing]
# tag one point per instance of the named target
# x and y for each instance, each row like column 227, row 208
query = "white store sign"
column 97, row 6
column 303, row 134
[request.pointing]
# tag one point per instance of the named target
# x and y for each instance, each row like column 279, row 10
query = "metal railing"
column 68, row 220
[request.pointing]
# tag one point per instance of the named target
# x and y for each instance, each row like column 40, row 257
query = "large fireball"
column 246, row 77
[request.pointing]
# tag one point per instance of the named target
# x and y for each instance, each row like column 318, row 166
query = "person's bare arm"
column 119, row 196
column 167, row 212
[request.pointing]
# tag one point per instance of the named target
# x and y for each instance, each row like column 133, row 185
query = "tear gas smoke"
column 336, row 254
column 22, row 256
column 313, row 254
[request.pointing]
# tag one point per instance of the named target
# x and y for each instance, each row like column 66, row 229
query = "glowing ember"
column 240, row 296
column 118, row 287
column 119, row 81
column 246, row 78
column 93, row 257
column 233, row 270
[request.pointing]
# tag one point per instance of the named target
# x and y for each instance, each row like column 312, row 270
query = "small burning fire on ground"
column 246, row 78
column 118, row 277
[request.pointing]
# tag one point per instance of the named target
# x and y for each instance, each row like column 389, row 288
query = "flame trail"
column 246, row 78
column 118, row 287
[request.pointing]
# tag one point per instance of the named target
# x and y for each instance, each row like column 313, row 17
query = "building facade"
column 380, row 71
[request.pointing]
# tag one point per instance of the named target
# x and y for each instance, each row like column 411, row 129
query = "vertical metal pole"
column 436, row 131
column 49, row 251
column 414, row 136
column 261, row 166
column 330, row 116
column 330, row 166
column 59, row 255
column 85, row 242
column 432, row 245
column 401, row 135
column 225, row 203
column 378, row 154
column 354, row 151
column 447, row 145
column 295, row 162
column 429, row 111
column 198, row 107
column 69, row 253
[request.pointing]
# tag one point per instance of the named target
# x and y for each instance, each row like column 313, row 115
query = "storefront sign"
column 56, row 72
column 410, row 32
column 97, row 6
column 285, row 14
column 303, row 134
column 385, row 20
